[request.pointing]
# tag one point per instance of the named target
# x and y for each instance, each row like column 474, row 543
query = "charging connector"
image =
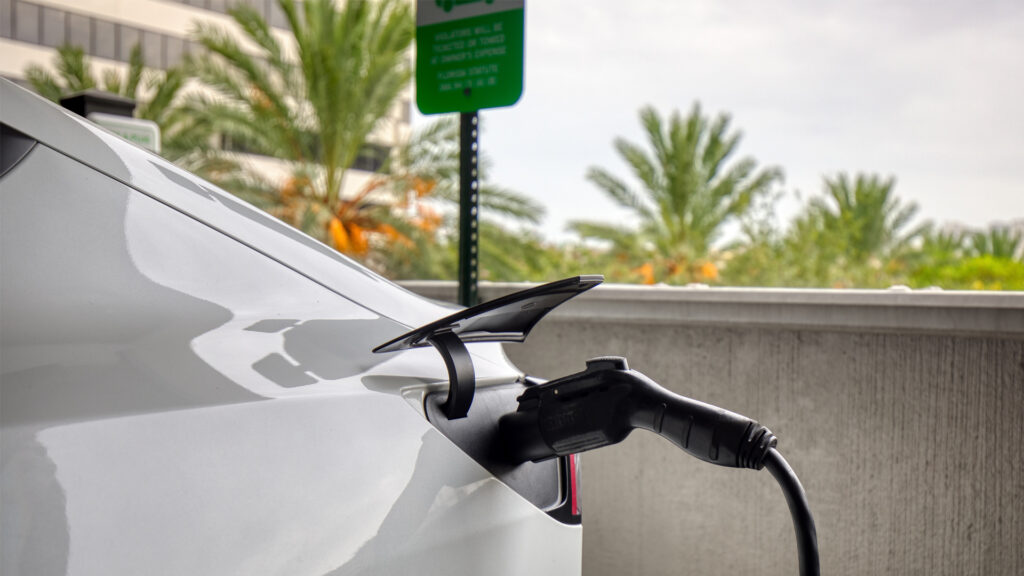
column 601, row 405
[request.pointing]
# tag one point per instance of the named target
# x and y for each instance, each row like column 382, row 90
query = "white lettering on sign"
column 469, row 46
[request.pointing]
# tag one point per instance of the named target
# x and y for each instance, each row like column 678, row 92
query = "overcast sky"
column 931, row 92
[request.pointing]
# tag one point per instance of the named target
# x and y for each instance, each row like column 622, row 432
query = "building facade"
column 106, row 30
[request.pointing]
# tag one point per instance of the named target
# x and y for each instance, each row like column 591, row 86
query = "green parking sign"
column 469, row 54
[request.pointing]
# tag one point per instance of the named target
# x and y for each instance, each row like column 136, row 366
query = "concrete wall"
column 903, row 414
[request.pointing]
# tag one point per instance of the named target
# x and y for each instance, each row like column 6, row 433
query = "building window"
column 270, row 10
column 5, row 19
column 80, row 31
column 371, row 158
column 174, row 51
column 46, row 26
column 152, row 49
column 26, row 22
column 129, row 37
column 53, row 27
column 275, row 16
column 257, row 5
column 105, row 39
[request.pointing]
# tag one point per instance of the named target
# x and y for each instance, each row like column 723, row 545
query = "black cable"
column 803, row 521
column 603, row 404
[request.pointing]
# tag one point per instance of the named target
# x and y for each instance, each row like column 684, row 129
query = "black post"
column 469, row 202
column 88, row 101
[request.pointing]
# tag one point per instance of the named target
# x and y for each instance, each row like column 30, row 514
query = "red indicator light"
column 574, row 489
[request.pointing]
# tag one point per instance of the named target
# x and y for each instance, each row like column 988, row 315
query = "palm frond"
column 644, row 167
column 510, row 204
column 112, row 81
column 136, row 67
column 44, row 83
column 165, row 88
column 688, row 187
column 622, row 238
column 74, row 69
column 618, row 191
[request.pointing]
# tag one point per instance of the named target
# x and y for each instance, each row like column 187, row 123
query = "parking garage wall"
column 902, row 412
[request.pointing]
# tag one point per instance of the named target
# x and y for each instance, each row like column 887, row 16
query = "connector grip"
column 603, row 404
column 706, row 432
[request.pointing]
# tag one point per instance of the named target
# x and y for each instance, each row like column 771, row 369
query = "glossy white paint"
column 185, row 388
column 152, row 176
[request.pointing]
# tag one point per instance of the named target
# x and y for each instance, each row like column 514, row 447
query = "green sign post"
column 469, row 56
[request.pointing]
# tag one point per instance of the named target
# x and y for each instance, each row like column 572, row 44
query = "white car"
column 188, row 387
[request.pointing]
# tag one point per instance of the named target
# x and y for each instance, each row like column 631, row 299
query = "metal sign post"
column 469, row 56
column 469, row 203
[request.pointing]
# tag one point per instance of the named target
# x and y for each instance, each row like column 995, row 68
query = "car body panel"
column 153, row 176
column 186, row 389
column 289, row 486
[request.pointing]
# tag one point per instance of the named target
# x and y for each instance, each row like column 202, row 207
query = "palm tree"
column 943, row 243
column 689, row 191
column 425, row 175
column 429, row 164
column 867, row 216
column 935, row 247
column 963, row 260
column 859, row 231
column 314, row 106
column 998, row 242
column 74, row 73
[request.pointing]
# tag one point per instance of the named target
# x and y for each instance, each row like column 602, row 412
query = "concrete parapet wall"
column 902, row 412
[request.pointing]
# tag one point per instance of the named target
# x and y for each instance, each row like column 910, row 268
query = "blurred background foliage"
column 699, row 212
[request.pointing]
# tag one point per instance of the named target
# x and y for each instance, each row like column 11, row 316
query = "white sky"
column 929, row 91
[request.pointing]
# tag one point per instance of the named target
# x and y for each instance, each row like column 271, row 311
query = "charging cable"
column 603, row 404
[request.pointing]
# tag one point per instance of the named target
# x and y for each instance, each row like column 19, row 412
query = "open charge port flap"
column 544, row 484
